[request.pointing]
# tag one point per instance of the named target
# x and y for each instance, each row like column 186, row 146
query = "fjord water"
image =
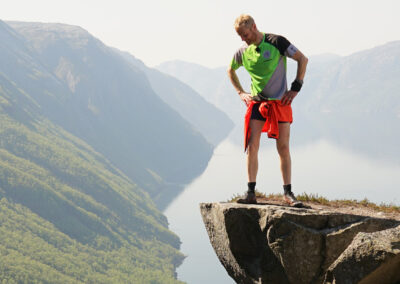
column 347, row 158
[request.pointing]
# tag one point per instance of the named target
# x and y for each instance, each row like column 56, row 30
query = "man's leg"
column 252, row 150
column 282, row 145
column 252, row 160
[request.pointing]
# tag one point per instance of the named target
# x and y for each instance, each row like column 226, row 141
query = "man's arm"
column 301, row 64
column 301, row 71
column 245, row 97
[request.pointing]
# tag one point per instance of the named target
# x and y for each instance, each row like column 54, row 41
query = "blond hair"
column 244, row 20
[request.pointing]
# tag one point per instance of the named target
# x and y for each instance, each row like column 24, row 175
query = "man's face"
column 248, row 35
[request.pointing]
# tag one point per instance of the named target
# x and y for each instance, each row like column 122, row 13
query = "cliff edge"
column 279, row 244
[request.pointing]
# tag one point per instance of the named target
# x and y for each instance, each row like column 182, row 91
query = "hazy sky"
column 202, row 31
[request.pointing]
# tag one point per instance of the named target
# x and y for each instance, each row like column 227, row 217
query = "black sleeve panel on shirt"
column 238, row 56
column 280, row 42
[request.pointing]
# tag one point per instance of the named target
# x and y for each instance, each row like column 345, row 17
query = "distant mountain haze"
column 203, row 79
column 213, row 123
column 364, row 82
column 211, row 83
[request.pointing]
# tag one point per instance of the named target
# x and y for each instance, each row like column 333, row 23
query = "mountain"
column 110, row 104
column 67, row 214
column 364, row 82
column 87, row 151
column 187, row 102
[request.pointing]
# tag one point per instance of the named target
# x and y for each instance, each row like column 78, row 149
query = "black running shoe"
column 289, row 198
column 249, row 198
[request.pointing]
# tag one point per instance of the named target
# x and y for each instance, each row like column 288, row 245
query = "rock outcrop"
column 277, row 244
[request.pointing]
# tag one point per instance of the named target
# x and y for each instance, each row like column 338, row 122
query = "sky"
column 202, row 32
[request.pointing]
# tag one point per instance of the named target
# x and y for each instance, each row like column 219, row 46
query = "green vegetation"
column 33, row 250
column 67, row 215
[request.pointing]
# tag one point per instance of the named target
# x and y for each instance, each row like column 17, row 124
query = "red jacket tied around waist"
column 274, row 112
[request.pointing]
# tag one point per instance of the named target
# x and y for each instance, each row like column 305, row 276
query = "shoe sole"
column 297, row 204
column 244, row 201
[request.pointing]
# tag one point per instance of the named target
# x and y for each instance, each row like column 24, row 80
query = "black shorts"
column 255, row 113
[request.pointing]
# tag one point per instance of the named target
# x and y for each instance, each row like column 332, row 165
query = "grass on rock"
column 317, row 199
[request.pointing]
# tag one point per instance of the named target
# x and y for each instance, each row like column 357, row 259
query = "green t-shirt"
column 266, row 64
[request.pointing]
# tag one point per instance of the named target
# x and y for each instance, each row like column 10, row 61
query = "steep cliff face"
column 277, row 244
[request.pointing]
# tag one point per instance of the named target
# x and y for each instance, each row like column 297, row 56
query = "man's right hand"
column 245, row 97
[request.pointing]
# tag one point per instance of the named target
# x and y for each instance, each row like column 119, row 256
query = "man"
column 269, row 103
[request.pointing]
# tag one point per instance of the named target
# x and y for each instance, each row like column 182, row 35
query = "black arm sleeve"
column 280, row 42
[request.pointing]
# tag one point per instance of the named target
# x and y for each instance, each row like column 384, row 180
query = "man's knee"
column 283, row 149
column 253, row 147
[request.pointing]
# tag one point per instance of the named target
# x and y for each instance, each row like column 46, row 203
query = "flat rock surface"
column 356, row 209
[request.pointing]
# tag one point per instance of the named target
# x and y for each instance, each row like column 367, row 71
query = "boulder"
column 279, row 244
column 375, row 255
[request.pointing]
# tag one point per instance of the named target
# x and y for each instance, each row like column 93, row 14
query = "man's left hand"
column 288, row 97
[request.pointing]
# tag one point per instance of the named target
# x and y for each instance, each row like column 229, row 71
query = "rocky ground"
column 323, row 242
